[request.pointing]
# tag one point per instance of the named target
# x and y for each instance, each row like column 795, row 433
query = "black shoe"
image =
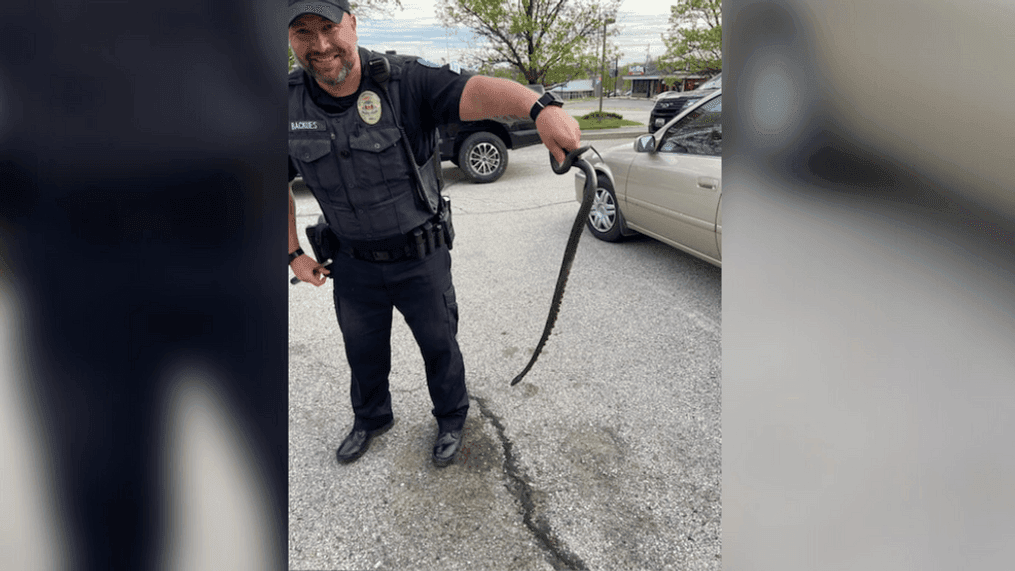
column 446, row 448
column 358, row 441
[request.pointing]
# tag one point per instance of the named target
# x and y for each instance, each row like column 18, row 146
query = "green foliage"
column 672, row 80
column 366, row 9
column 600, row 115
column 613, row 54
column 603, row 120
column 694, row 40
column 502, row 71
column 547, row 41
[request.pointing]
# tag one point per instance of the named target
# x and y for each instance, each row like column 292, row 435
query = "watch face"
column 547, row 99
column 550, row 98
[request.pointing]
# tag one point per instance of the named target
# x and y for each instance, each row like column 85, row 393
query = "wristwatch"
column 296, row 254
column 548, row 98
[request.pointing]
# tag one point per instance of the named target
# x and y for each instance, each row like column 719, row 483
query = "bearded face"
column 327, row 69
column 325, row 49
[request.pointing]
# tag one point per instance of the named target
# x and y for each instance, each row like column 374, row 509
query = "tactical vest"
column 360, row 172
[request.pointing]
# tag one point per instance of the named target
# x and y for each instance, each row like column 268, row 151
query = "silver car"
column 667, row 185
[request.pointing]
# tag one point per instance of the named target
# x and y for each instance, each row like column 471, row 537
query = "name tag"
column 306, row 126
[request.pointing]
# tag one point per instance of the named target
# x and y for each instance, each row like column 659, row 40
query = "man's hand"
column 559, row 131
column 308, row 270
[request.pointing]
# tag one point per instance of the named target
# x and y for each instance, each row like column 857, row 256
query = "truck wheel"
column 483, row 157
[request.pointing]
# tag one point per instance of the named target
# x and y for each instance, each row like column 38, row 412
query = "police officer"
column 363, row 134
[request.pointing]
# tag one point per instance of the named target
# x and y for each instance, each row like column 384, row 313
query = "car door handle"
column 708, row 182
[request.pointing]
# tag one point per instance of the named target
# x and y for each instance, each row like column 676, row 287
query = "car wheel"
column 605, row 219
column 483, row 157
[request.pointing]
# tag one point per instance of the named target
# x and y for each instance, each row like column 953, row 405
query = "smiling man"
column 363, row 134
column 328, row 62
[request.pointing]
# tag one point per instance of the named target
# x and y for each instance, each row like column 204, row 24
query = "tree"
column 545, row 40
column 611, row 80
column 694, row 40
column 366, row 9
column 502, row 71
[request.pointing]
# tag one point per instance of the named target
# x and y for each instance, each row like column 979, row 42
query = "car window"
column 697, row 133
column 714, row 83
column 689, row 102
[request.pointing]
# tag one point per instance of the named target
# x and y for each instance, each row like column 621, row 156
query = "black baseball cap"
column 330, row 9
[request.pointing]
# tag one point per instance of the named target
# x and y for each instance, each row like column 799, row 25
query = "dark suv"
column 670, row 104
column 479, row 148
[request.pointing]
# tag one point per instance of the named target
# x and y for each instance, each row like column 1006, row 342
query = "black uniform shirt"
column 429, row 94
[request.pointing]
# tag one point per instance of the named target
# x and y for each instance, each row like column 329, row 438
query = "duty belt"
column 415, row 245
column 418, row 244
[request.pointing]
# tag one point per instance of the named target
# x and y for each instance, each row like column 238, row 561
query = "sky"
column 417, row 31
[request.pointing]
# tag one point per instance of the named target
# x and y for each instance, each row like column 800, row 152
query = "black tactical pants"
column 421, row 290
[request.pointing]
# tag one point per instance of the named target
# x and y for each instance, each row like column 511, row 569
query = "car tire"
column 483, row 157
column 605, row 219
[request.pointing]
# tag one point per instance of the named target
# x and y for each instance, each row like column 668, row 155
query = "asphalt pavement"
column 607, row 455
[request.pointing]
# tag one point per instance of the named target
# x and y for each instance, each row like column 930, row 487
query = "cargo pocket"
column 452, row 304
column 381, row 152
column 310, row 151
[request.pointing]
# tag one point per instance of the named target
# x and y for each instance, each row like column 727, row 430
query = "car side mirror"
column 645, row 144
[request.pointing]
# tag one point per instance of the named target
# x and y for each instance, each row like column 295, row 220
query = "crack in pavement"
column 556, row 554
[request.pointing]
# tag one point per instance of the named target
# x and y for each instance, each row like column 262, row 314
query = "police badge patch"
column 369, row 107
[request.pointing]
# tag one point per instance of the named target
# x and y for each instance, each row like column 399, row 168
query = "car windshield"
column 714, row 83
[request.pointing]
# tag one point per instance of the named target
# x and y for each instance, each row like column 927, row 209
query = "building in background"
column 575, row 89
column 648, row 81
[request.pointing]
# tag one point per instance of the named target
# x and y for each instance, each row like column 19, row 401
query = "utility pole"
column 616, row 74
column 602, row 78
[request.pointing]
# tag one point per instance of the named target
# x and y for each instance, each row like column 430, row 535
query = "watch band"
column 295, row 254
column 543, row 102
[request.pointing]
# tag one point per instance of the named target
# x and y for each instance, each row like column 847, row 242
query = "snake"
column 572, row 159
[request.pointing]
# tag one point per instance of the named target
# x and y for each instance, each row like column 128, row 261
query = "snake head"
column 561, row 168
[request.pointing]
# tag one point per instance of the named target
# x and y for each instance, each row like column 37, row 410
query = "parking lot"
column 606, row 456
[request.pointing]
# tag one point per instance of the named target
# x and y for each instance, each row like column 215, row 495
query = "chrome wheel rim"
column 484, row 158
column 603, row 215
